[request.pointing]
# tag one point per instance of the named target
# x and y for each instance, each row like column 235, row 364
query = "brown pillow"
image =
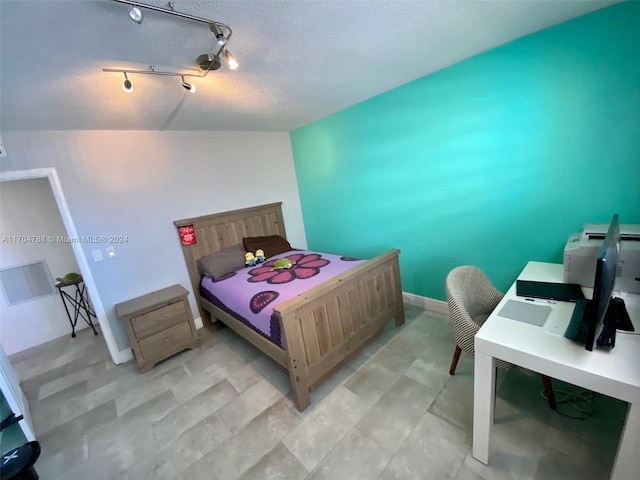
column 225, row 261
column 271, row 245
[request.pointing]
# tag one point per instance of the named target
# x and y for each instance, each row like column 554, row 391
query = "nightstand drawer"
column 158, row 320
column 159, row 324
column 159, row 344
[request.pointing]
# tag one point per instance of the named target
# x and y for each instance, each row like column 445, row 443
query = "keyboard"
column 578, row 328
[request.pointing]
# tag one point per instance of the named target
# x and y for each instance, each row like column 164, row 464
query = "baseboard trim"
column 125, row 355
column 427, row 303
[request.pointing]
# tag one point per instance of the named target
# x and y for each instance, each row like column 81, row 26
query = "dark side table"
column 77, row 301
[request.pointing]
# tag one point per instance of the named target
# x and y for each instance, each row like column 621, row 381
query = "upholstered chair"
column 471, row 298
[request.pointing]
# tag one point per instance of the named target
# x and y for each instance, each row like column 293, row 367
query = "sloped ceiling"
column 299, row 60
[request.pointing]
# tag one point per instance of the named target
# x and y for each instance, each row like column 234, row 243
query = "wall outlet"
column 97, row 255
column 111, row 252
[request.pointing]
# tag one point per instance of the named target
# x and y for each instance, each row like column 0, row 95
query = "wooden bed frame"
column 321, row 327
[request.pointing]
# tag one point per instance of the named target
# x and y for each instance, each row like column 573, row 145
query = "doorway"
column 51, row 175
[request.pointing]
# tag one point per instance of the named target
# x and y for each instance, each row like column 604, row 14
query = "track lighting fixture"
column 231, row 61
column 126, row 85
column 207, row 61
column 189, row 87
column 136, row 14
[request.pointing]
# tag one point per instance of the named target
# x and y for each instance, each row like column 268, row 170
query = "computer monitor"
column 605, row 277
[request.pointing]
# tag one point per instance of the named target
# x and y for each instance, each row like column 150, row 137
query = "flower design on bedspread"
column 261, row 299
column 306, row 266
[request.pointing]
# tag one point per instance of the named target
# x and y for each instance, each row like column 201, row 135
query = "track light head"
column 231, row 61
column 126, row 85
column 220, row 38
column 187, row 86
column 136, row 14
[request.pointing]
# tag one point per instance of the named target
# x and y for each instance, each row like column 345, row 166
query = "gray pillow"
column 218, row 264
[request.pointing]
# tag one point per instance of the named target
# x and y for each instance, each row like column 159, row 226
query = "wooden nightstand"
column 159, row 324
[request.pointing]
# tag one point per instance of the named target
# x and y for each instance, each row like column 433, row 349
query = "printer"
column 581, row 250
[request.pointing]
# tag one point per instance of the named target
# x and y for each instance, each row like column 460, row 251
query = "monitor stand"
column 619, row 313
column 607, row 338
column 616, row 318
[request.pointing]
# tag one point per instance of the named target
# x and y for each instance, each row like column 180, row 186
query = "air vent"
column 26, row 282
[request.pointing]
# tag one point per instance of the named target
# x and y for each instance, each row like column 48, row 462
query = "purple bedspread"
column 251, row 293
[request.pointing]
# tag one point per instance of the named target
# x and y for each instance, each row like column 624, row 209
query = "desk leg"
column 484, row 396
column 627, row 464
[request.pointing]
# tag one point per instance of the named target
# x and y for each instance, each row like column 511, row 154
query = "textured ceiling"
column 299, row 60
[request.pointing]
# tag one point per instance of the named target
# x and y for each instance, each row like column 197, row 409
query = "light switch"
column 97, row 255
column 111, row 252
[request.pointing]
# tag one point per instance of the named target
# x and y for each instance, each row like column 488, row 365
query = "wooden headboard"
column 222, row 230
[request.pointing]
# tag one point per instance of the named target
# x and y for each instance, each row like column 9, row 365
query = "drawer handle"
column 161, row 319
column 164, row 340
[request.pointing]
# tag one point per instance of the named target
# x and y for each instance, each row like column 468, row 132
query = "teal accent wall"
column 492, row 162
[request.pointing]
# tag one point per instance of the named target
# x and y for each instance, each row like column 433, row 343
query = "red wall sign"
column 187, row 235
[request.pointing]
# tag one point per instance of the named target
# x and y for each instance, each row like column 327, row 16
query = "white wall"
column 136, row 183
column 29, row 208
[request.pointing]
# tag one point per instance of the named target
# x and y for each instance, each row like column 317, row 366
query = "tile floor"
column 225, row 412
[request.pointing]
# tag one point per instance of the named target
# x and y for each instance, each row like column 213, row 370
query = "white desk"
column 615, row 373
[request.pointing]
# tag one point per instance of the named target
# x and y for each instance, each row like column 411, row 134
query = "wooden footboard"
column 326, row 324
